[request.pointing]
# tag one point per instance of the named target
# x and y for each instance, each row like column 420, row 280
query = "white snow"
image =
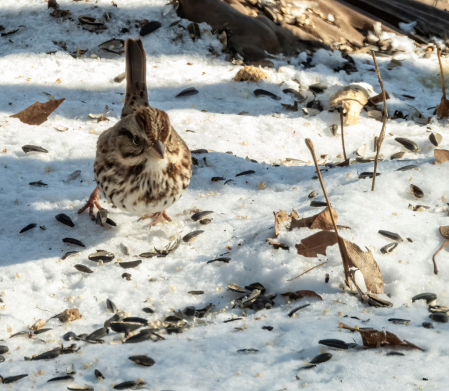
column 35, row 284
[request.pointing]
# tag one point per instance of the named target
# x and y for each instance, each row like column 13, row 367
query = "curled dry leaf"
column 301, row 294
column 380, row 339
column 38, row 113
column 316, row 244
column 442, row 155
column 444, row 232
column 281, row 217
column 319, row 221
column 364, row 261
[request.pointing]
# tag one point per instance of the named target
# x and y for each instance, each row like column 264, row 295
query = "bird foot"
column 91, row 203
column 156, row 217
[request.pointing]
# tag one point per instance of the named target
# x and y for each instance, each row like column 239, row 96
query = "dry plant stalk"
column 341, row 245
column 294, row 278
column 342, row 133
column 385, row 119
column 444, row 232
column 443, row 107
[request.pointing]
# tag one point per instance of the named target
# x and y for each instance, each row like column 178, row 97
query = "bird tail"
column 136, row 75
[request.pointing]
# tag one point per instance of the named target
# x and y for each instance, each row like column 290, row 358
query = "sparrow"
column 142, row 165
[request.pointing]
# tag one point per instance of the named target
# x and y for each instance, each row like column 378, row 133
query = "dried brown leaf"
column 384, row 339
column 443, row 108
column 344, row 163
column 38, row 113
column 442, row 155
column 316, row 244
column 281, row 217
column 319, row 221
column 364, row 261
column 301, row 294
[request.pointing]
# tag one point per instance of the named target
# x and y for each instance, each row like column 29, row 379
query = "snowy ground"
column 35, row 284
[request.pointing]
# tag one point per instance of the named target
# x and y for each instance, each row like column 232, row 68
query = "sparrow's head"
column 143, row 136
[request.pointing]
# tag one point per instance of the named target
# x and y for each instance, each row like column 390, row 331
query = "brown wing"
column 136, row 79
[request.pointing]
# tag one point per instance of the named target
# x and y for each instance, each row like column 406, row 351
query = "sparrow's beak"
column 157, row 150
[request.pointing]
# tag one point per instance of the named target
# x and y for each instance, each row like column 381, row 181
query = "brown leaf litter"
column 380, row 339
column 38, row 113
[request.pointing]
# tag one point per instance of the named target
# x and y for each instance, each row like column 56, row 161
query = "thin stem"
column 435, row 268
column 294, row 278
column 339, row 240
column 342, row 132
column 385, row 119
column 441, row 71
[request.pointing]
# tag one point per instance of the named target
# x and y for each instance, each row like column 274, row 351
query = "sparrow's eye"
column 136, row 140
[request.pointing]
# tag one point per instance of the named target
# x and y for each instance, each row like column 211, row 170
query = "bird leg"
column 93, row 201
column 156, row 217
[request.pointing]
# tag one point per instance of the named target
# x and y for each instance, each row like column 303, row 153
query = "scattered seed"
column 126, row 276
column 224, row 260
column 33, row 148
column 260, row 92
column 409, row 167
column 143, row 360
column 148, row 310
column 318, row 204
column 11, row 379
column 27, row 228
column 430, row 298
column 389, row 248
column 395, row 354
column 69, row 254
column 435, row 138
column 268, row 328
column 391, row 235
column 38, row 184
column 83, row 269
column 313, row 194
column 334, row 129
column 191, row 236
column 417, row 192
column 195, row 292
column 409, row 144
column 64, row 219
column 129, row 265
column 428, row 325
column 187, row 92
column 73, row 241
column 217, row 179
column 397, row 155
column 111, row 306
column 102, row 256
column 249, row 172
column 292, row 312
column 99, row 375
column 334, row 343
column 61, row 379
column 321, row 358
column 364, row 175
column 399, row 321
column 3, row 349
column 199, row 215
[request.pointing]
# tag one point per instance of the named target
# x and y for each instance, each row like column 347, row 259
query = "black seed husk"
column 391, row 235
column 99, row 375
column 249, row 172
column 395, row 354
column 318, row 204
column 83, row 269
column 292, row 312
column 224, row 260
column 217, row 179
column 192, row 235
column 111, row 306
column 27, row 228
column 188, row 92
column 64, row 219
column 260, row 92
column 12, row 379
column 129, row 265
column 101, row 255
column 195, row 292
column 73, row 241
column 135, row 319
column 440, row 318
column 2, row 358
column 69, row 336
column 364, row 175
column 334, row 343
column 428, row 325
column 399, row 321
column 148, row 310
column 97, row 334
column 150, row 27
column 406, row 168
column 268, row 328
column 69, row 254
column 143, row 360
column 33, row 148
column 428, row 297
column 61, row 378
column 200, row 215
column 389, row 248
column 321, row 358
column 3, row 349
column 38, row 184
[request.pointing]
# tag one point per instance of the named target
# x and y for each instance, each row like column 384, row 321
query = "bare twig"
column 441, row 71
column 294, row 278
column 341, row 245
column 435, row 267
column 342, row 133
column 385, row 119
